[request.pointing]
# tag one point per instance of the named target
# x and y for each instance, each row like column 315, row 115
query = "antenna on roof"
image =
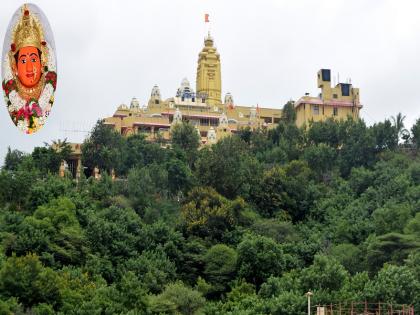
column 338, row 77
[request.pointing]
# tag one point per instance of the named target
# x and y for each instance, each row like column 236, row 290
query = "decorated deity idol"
column 29, row 69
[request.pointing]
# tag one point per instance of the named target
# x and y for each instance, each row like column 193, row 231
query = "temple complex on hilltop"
column 214, row 118
column 204, row 108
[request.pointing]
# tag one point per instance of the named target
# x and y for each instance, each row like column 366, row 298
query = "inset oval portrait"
column 29, row 70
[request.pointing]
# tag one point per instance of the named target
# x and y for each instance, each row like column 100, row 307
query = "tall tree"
column 12, row 159
column 398, row 122
column 104, row 149
column 229, row 167
column 185, row 137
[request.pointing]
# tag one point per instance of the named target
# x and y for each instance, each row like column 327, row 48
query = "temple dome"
column 177, row 117
column 223, row 121
column 123, row 107
column 185, row 90
column 134, row 103
column 155, row 92
column 229, row 99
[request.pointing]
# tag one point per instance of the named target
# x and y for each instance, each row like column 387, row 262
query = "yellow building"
column 339, row 102
column 212, row 118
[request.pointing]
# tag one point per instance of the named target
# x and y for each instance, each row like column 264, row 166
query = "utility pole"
column 308, row 295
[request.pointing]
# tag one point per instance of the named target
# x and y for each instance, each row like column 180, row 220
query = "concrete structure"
column 339, row 102
column 212, row 118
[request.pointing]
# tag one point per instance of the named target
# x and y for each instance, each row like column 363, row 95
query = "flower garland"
column 29, row 116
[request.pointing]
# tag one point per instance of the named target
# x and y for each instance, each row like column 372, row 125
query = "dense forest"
column 246, row 226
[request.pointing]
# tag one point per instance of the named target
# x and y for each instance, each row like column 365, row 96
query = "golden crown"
column 28, row 32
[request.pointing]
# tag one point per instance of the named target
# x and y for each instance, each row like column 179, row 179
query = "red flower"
column 10, row 82
column 13, row 47
column 43, row 43
column 51, row 77
column 26, row 12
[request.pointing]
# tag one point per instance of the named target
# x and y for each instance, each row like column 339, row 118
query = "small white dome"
column 223, row 120
column 185, row 89
column 155, row 92
column 134, row 103
column 211, row 135
column 177, row 116
column 122, row 107
column 228, row 99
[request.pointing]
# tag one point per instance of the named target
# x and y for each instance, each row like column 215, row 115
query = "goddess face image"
column 29, row 69
column 28, row 66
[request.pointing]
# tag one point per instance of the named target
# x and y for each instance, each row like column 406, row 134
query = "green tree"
column 220, row 267
column 53, row 232
column 177, row 298
column 208, row 214
column 228, row 167
column 324, row 274
column 320, row 158
column 349, row 256
column 180, row 178
column 104, row 149
column 12, row 159
column 391, row 247
column 413, row 225
column 289, row 113
column 153, row 268
column 26, row 279
column 259, row 258
column 186, row 138
column 115, row 234
column 386, row 135
column 48, row 158
column 415, row 130
column 392, row 217
column 398, row 123
column 357, row 145
column 286, row 190
column 394, row 284
column 327, row 132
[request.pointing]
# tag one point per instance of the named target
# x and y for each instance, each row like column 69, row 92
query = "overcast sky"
column 110, row 51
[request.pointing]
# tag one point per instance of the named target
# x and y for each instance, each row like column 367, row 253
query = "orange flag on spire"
column 206, row 18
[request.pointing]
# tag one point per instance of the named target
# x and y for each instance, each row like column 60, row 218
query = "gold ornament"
column 28, row 31
column 30, row 93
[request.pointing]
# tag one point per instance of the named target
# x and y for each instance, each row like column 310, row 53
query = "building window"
column 182, row 99
column 335, row 96
column 156, row 102
column 316, row 109
column 267, row 120
column 335, row 111
column 345, row 89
